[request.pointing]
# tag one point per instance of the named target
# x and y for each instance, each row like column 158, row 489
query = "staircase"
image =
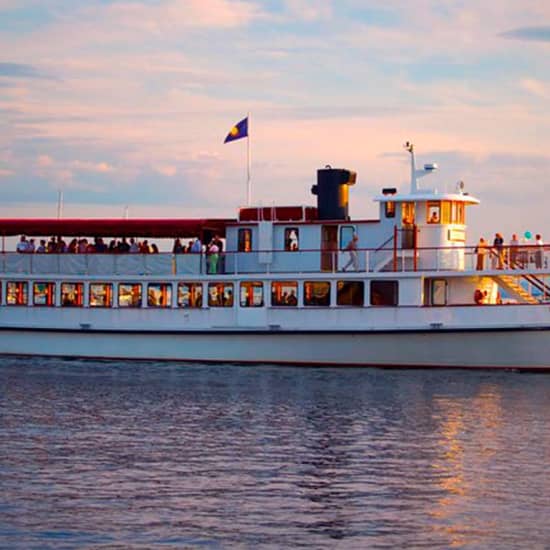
column 511, row 285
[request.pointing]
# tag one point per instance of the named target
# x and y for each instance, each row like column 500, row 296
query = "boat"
column 295, row 285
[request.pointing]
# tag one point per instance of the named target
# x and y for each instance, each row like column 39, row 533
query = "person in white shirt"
column 22, row 245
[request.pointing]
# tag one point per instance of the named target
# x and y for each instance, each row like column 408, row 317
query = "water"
column 105, row 455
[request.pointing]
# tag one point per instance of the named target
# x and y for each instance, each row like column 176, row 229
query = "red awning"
column 75, row 227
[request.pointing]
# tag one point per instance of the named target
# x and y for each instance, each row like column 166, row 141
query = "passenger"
column 124, row 247
column 41, row 249
column 31, row 247
column 352, row 250
column 212, row 255
column 188, row 248
column 539, row 253
column 434, row 218
column 177, row 248
column 61, row 247
column 100, row 246
column 72, row 246
column 134, row 247
column 221, row 257
column 498, row 245
column 291, row 299
column 293, row 240
column 111, row 249
column 82, row 246
column 196, row 247
column 478, row 297
column 154, row 248
column 52, row 246
column 513, row 255
column 144, row 247
column 481, row 251
column 22, row 246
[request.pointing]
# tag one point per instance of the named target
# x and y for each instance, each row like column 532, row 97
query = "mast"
column 410, row 148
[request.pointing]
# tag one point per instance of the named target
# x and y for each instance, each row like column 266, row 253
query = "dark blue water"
column 103, row 455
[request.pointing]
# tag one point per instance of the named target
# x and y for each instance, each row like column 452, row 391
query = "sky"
column 124, row 105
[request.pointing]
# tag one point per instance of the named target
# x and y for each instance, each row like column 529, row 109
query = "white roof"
column 427, row 195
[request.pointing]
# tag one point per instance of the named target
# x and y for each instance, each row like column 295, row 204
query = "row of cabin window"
column 291, row 238
column 436, row 212
column 190, row 295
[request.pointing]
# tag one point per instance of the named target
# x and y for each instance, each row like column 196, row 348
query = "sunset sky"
column 128, row 103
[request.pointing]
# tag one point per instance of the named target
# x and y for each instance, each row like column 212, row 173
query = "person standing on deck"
column 212, row 258
column 352, row 250
column 481, row 251
column 498, row 245
column 539, row 252
column 513, row 254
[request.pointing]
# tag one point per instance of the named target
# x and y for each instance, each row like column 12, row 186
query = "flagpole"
column 249, row 163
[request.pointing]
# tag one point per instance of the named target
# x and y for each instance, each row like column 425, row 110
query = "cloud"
column 19, row 70
column 531, row 34
column 535, row 87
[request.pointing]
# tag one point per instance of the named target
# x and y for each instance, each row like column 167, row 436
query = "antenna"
column 429, row 168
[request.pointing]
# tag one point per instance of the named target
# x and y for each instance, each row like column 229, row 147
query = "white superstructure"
column 412, row 294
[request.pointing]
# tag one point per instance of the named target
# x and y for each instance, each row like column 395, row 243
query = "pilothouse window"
column 434, row 212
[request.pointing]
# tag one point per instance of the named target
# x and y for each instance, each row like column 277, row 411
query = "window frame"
column 193, row 299
column 24, row 285
column 389, row 209
column 168, row 295
column 49, row 293
column 226, row 285
column 433, row 207
column 394, row 283
column 251, row 285
column 433, row 290
column 130, row 305
column 293, row 285
column 288, row 241
column 244, row 244
column 79, row 290
column 307, row 300
column 340, row 285
column 108, row 287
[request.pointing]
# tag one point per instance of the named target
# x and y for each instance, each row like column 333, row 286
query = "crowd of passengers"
column 57, row 245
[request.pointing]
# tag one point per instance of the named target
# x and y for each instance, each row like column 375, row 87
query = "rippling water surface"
column 143, row 455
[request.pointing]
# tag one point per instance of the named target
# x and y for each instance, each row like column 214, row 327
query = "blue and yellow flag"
column 238, row 131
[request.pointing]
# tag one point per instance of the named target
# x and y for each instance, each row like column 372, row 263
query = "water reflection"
column 148, row 454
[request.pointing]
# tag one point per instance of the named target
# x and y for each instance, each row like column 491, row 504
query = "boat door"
column 251, row 307
column 329, row 248
column 408, row 230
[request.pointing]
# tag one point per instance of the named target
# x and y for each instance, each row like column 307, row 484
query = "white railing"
column 301, row 261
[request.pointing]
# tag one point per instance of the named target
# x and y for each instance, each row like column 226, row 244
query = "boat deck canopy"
column 113, row 227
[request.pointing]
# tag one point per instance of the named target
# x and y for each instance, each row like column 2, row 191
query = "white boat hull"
column 507, row 348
